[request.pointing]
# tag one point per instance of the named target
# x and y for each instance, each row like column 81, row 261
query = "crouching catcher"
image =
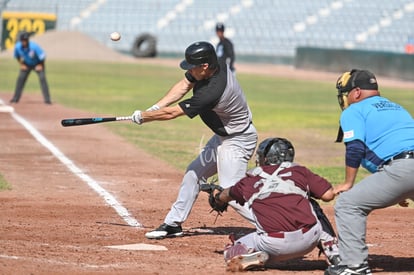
column 289, row 222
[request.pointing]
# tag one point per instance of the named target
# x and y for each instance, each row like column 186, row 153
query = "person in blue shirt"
column 30, row 57
column 379, row 136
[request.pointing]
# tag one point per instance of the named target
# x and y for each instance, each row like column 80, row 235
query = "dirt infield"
column 56, row 222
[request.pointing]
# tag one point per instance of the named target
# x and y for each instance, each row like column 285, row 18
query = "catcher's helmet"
column 350, row 80
column 197, row 54
column 273, row 151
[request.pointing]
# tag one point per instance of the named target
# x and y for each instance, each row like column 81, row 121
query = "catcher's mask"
column 350, row 80
column 273, row 151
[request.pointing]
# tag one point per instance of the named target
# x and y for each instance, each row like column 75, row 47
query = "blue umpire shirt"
column 32, row 55
column 384, row 127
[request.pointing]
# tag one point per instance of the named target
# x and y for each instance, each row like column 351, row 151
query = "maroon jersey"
column 282, row 212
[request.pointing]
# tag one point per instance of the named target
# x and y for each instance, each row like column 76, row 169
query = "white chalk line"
column 109, row 199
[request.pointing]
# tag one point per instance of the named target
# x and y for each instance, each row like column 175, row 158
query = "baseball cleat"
column 252, row 261
column 165, row 231
column 362, row 269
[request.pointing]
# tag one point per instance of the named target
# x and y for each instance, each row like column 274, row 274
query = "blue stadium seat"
column 256, row 27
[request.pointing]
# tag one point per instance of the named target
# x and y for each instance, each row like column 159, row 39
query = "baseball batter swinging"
column 221, row 104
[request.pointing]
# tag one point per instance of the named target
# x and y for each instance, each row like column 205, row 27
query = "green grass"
column 4, row 185
column 306, row 112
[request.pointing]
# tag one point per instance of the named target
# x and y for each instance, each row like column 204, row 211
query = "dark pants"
column 21, row 81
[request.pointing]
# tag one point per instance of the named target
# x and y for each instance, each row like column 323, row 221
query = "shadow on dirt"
column 387, row 263
column 378, row 263
column 300, row 265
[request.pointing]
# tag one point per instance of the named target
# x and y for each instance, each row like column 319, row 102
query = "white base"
column 6, row 109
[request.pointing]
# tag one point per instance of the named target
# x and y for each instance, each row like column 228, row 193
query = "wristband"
column 154, row 107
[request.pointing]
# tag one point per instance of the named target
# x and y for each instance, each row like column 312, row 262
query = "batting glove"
column 154, row 107
column 137, row 117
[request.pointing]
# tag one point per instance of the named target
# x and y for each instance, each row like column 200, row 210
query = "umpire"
column 379, row 136
column 30, row 57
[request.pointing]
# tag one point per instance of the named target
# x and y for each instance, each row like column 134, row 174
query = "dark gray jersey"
column 220, row 102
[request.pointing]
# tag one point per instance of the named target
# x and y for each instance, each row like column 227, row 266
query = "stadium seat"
column 261, row 27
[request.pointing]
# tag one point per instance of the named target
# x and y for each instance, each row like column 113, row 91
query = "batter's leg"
column 233, row 156
column 204, row 166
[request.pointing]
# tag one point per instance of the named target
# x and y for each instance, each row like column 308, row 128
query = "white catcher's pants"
column 227, row 156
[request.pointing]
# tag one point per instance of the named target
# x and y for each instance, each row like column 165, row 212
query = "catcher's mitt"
column 215, row 204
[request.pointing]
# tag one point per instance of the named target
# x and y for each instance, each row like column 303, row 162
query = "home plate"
column 138, row 246
column 6, row 109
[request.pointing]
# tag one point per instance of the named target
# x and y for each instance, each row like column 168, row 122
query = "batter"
column 221, row 104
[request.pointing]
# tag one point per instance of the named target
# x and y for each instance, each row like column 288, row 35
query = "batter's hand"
column 137, row 117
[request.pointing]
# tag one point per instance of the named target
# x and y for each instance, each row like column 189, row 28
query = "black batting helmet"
column 273, row 151
column 197, row 54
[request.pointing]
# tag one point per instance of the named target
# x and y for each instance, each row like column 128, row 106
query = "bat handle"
column 124, row 118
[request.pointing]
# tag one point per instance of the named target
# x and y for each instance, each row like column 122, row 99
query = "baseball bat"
column 91, row 120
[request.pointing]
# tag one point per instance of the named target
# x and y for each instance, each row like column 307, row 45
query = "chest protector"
column 273, row 183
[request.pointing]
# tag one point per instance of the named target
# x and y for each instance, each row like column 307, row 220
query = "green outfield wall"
column 393, row 65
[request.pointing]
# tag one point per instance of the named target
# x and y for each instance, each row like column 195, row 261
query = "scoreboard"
column 13, row 23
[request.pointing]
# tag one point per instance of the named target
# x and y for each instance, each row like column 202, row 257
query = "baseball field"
column 70, row 194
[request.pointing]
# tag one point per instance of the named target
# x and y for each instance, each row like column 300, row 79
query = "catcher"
column 289, row 224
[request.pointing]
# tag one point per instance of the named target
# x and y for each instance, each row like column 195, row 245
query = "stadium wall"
column 393, row 65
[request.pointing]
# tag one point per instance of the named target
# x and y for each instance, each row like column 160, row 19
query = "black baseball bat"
column 91, row 120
